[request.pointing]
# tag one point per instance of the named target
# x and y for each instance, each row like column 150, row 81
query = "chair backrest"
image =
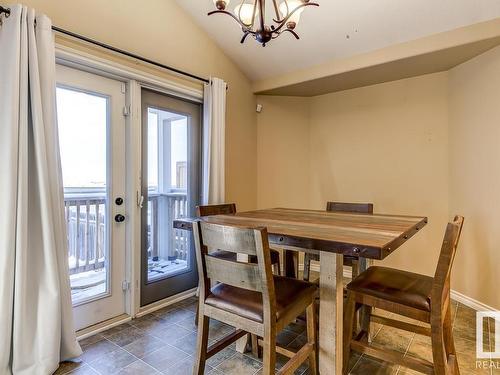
column 252, row 241
column 441, row 285
column 216, row 209
column 360, row 208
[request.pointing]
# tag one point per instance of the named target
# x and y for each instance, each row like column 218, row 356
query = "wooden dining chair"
column 249, row 297
column 423, row 298
column 230, row 209
column 355, row 208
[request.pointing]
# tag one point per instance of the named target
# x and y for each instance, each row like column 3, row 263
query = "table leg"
column 331, row 294
column 364, row 316
column 242, row 344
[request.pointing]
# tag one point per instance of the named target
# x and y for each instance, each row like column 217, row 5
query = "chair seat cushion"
column 248, row 304
column 406, row 288
column 228, row 255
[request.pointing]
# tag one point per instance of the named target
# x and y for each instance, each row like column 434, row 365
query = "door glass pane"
column 83, row 120
column 167, row 248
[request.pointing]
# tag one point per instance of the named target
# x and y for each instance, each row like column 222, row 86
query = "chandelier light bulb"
column 287, row 7
column 245, row 13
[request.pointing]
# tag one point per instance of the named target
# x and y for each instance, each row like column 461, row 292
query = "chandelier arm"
column 250, row 25
column 245, row 35
column 229, row 14
column 254, row 14
column 279, row 18
column 290, row 31
column 284, row 21
column 276, row 9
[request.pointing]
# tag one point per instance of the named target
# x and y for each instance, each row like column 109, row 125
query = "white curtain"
column 214, row 129
column 36, row 322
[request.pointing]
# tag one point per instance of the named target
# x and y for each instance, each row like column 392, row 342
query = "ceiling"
column 338, row 29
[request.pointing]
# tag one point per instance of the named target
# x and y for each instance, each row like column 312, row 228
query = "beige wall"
column 386, row 144
column 425, row 146
column 475, row 174
column 283, row 152
column 160, row 30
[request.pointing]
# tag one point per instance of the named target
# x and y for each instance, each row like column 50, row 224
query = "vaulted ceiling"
column 338, row 29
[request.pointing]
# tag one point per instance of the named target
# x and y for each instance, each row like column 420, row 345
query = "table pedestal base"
column 331, row 302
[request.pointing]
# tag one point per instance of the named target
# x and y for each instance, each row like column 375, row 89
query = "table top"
column 368, row 235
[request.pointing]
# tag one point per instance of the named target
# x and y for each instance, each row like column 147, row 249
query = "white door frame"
column 112, row 303
column 135, row 80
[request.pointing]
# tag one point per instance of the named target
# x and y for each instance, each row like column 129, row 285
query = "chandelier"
column 251, row 16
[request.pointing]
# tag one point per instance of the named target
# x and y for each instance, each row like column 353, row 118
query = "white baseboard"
column 470, row 302
column 165, row 302
column 102, row 326
column 457, row 296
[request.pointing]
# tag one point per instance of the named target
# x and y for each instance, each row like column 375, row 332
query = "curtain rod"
column 117, row 50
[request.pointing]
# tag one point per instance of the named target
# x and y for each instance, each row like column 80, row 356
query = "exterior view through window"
column 83, row 123
column 168, row 250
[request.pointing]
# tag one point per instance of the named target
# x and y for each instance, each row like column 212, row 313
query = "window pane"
column 168, row 249
column 83, row 120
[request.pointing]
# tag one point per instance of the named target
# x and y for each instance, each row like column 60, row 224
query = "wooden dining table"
column 333, row 235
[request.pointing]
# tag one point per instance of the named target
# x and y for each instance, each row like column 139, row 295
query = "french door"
column 171, row 170
column 92, row 142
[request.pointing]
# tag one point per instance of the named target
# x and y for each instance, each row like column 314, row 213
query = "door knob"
column 119, row 218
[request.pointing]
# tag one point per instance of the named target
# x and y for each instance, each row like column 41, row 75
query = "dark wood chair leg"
column 291, row 264
column 307, row 267
column 255, row 345
column 355, row 269
column 201, row 346
column 365, row 314
column 349, row 316
column 311, row 337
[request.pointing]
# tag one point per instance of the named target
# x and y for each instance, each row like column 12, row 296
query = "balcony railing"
column 86, row 227
column 168, row 243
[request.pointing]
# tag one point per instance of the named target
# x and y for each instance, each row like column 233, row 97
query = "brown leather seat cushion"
column 406, row 288
column 248, row 304
column 227, row 255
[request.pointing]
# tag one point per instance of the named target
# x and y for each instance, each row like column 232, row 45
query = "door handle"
column 119, row 218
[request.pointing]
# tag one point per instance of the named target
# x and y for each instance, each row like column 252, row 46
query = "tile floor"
column 164, row 343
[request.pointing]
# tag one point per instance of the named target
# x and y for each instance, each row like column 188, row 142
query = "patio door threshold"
column 152, row 307
column 102, row 326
